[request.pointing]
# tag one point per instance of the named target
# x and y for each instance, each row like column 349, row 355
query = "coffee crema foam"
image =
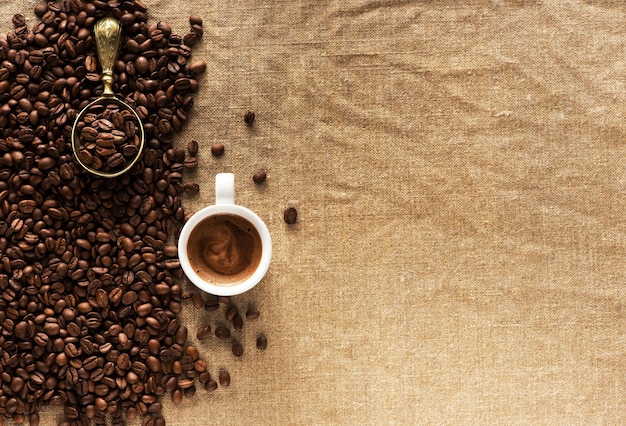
column 224, row 249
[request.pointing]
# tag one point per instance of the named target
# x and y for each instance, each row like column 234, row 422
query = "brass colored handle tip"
column 108, row 35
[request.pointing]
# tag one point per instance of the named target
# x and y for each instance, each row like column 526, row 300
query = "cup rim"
column 231, row 289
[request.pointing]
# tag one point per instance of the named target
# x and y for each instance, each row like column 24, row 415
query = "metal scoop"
column 108, row 37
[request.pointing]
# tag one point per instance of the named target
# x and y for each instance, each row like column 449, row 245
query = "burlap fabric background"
column 459, row 172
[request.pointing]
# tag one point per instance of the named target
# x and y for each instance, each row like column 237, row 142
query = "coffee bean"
column 66, row 171
column 224, row 378
column 190, row 163
column 195, row 20
column 142, row 64
column 197, row 300
column 259, row 177
column 90, row 134
column 190, row 39
column 248, row 117
column 177, row 396
column 224, row 300
column 33, row 419
column 290, row 215
column 237, row 349
column 192, row 148
column 91, row 64
column 144, row 309
column 231, row 312
column 182, row 84
column 193, row 353
column 210, row 386
column 19, row 20
column 252, row 314
column 197, row 67
column 217, row 149
column 129, row 297
column 222, row 332
column 261, row 342
column 46, row 163
column 185, row 383
column 191, row 188
column 238, row 322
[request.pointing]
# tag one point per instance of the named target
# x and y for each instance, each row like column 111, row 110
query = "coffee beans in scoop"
column 109, row 138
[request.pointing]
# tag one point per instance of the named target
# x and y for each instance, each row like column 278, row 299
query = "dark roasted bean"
column 252, row 314
column 203, row 332
column 192, row 148
column 237, row 349
column 290, row 215
column 238, row 322
column 197, row 67
column 261, row 342
column 231, row 312
column 224, row 378
column 222, row 332
column 259, row 177
column 248, row 117
column 217, row 149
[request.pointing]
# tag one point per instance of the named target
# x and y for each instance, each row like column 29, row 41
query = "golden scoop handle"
column 108, row 35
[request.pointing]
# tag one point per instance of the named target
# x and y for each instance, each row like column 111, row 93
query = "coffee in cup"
column 225, row 249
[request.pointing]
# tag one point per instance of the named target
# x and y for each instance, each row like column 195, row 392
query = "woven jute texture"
column 459, row 172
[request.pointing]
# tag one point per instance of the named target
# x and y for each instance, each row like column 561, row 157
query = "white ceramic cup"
column 225, row 205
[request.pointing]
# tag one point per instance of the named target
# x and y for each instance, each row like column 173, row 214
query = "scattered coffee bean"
column 197, row 67
column 19, row 20
column 192, row 148
column 252, row 314
column 197, row 300
column 248, row 117
column 222, row 332
column 237, row 349
column 261, row 342
column 231, row 312
column 290, row 215
column 217, row 149
column 211, row 385
column 191, row 188
column 190, row 163
column 224, row 300
column 195, row 20
column 204, row 332
column 211, row 304
column 259, row 177
column 238, row 322
column 177, row 396
column 224, row 378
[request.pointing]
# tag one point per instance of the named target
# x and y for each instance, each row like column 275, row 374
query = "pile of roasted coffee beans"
column 89, row 271
column 109, row 137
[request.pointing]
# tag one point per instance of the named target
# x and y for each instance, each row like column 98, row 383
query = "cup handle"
column 225, row 188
